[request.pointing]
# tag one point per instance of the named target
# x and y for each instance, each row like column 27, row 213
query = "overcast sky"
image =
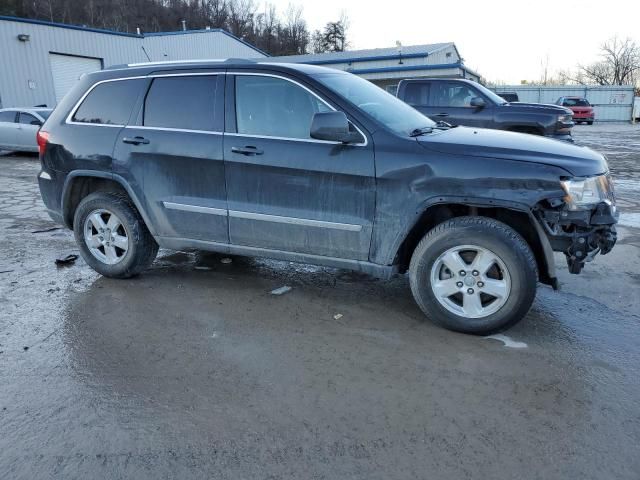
column 503, row 40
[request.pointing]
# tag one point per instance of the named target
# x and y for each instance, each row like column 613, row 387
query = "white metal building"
column 611, row 103
column 40, row 61
column 386, row 66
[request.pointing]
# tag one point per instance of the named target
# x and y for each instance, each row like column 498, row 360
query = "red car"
column 581, row 108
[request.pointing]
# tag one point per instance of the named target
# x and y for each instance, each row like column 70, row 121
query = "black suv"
column 463, row 102
column 308, row 164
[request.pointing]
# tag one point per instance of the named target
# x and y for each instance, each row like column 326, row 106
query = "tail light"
column 43, row 139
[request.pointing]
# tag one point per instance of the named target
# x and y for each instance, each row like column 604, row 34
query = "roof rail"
column 183, row 62
column 240, row 60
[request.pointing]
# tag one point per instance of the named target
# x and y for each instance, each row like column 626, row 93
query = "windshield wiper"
column 416, row 132
column 440, row 125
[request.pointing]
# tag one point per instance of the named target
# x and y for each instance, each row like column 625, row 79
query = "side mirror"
column 477, row 102
column 37, row 123
column 334, row 127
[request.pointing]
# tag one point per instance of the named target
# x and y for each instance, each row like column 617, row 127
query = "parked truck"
column 463, row 102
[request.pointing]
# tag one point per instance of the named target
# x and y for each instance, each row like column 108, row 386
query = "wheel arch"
column 81, row 183
column 515, row 215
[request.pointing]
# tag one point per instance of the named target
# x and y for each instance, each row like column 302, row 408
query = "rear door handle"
column 136, row 140
column 441, row 115
column 249, row 150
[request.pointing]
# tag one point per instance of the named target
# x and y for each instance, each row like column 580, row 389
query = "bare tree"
column 293, row 32
column 620, row 63
column 266, row 29
column 333, row 38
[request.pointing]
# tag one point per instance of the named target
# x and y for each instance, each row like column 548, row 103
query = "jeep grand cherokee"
column 309, row 164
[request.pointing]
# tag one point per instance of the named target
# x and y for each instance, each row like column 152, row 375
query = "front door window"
column 274, row 107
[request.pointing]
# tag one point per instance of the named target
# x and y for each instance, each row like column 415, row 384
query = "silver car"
column 18, row 128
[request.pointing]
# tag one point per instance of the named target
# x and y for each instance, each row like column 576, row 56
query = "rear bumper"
column 56, row 216
column 51, row 183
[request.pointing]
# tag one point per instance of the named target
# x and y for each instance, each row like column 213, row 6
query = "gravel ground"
column 194, row 370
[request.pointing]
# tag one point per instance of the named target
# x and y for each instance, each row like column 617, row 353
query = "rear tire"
column 497, row 288
column 112, row 237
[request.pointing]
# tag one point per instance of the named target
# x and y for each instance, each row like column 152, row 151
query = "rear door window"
column 109, row 103
column 9, row 117
column 184, row 103
column 417, row 94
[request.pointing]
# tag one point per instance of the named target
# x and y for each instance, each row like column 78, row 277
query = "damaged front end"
column 582, row 223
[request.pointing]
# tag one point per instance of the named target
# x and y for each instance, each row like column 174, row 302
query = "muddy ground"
column 194, row 370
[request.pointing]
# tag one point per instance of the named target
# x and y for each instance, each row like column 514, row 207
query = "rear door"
column 28, row 126
column 8, row 129
column 171, row 155
column 287, row 191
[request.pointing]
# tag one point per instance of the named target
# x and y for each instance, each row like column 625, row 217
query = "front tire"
column 473, row 275
column 112, row 237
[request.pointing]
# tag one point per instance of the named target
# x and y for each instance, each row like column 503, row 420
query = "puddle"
column 630, row 220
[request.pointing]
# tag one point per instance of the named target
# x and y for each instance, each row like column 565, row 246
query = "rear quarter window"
column 109, row 103
column 9, row 117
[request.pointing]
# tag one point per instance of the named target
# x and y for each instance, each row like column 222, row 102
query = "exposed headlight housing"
column 585, row 192
column 565, row 118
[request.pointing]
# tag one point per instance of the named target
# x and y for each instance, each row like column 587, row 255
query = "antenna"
column 145, row 53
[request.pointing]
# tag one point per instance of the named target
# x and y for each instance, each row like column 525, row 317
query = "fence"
column 611, row 104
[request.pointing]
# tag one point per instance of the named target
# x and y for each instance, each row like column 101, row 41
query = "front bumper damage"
column 579, row 234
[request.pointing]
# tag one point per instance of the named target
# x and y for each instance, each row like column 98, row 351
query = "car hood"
column 484, row 143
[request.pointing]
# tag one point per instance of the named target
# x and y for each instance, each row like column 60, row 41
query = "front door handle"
column 249, row 150
column 441, row 115
column 136, row 140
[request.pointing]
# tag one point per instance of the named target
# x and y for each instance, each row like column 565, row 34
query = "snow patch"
column 508, row 342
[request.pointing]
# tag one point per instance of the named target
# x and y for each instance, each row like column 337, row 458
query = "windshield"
column 575, row 102
column 491, row 95
column 384, row 107
column 44, row 113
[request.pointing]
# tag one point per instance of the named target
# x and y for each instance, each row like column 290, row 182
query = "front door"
column 451, row 102
column 171, row 154
column 285, row 190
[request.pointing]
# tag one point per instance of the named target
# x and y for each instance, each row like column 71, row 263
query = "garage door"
column 67, row 69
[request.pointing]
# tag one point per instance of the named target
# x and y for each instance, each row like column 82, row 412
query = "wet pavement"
column 194, row 370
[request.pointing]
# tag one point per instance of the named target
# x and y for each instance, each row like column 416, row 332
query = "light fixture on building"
column 399, row 45
column 23, row 37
